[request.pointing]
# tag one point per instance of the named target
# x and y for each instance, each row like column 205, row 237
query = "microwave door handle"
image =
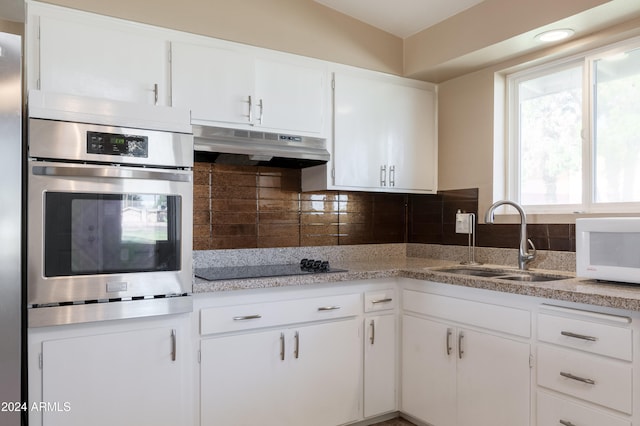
column 110, row 172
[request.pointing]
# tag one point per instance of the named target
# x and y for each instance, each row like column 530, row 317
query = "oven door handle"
column 110, row 172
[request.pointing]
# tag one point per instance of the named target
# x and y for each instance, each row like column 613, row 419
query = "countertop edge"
column 572, row 289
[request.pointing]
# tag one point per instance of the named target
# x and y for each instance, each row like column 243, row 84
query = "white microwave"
column 608, row 249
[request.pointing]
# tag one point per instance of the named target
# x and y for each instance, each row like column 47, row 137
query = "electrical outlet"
column 463, row 223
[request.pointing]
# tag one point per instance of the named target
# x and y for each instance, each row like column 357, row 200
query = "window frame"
column 587, row 61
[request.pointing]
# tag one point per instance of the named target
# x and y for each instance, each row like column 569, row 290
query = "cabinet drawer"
column 379, row 300
column 600, row 380
column 494, row 317
column 244, row 317
column 552, row 410
column 587, row 336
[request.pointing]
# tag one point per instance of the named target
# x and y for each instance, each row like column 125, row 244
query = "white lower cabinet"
column 585, row 360
column 380, row 365
column 454, row 375
column 118, row 373
column 296, row 366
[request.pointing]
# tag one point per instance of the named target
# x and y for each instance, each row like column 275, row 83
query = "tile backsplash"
column 239, row 207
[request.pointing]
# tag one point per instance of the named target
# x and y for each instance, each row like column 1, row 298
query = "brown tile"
column 201, row 203
column 232, row 168
column 234, row 205
column 281, row 205
column 319, row 230
column 202, row 244
column 201, row 191
column 279, row 241
column 354, row 217
column 201, row 232
column 279, row 217
column 277, row 194
column 319, row 196
column 229, row 218
column 278, row 230
column 233, row 192
column 234, row 242
column 318, row 240
column 318, row 218
column 319, row 206
column 234, row 230
column 201, row 217
column 201, row 177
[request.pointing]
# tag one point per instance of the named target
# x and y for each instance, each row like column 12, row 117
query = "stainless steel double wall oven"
column 109, row 222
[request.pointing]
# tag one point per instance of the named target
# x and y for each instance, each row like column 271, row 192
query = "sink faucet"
column 524, row 256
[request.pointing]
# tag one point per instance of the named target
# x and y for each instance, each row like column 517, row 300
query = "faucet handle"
column 530, row 256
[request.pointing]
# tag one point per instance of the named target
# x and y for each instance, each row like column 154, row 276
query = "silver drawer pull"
column 579, row 336
column 387, row 300
column 247, row 317
column 328, row 308
column 566, row 423
column 577, row 378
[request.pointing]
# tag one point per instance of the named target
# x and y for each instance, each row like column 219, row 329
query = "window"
column 574, row 133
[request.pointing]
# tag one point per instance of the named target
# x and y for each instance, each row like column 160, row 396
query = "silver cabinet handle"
column 281, row 346
column 247, row 317
column 577, row 378
column 372, row 338
column 566, row 423
column 392, row 176
column 174, row 344
column 383, row 175
column 460, row 350
column 261, row 105
column 387, row 300
column 296, row 350
column 448, row 343
column 250, row 109
column 328, row 308
column 155, row 94
column 579, row 336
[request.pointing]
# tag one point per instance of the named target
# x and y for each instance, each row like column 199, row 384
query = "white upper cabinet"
column 83, row 54
column 249, row 88
column 290, row 95
column 384, row 133
column 215, row 83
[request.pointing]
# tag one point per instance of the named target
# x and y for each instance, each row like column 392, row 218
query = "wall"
column 11, row 27
column 302, row 27
column 258, row 207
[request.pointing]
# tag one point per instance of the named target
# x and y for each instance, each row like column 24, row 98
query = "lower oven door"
column 101, row 233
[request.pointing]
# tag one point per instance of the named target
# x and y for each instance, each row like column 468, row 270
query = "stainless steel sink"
column 532, row 277
column 472, row 271
column 502, row 274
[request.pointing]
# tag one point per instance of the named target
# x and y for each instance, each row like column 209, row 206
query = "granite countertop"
column 571, row 289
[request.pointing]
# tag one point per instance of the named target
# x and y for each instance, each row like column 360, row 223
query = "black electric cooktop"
column 305, row 267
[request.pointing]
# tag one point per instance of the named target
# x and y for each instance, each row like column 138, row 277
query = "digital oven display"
column 117, row 144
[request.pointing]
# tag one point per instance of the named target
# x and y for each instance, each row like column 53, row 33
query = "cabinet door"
column 429, row 371
column 124, row 378
column 112, row 62
column 289, row 96
column 379, row 365
column 242, row 380
column 412, row 150
column 215, row 83
column 361, row 131
column 325, row 379
column 493, row 380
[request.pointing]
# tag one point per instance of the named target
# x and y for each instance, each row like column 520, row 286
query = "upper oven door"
column 99, row 232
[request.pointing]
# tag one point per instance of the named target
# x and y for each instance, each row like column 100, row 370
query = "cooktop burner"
column 306, row 266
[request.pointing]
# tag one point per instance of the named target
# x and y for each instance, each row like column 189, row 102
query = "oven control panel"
column 117, row 144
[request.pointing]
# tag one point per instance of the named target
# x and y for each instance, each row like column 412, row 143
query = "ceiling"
column 401, row 18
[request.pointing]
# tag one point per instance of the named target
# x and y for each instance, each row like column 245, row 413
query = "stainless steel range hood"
column 249, row 147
